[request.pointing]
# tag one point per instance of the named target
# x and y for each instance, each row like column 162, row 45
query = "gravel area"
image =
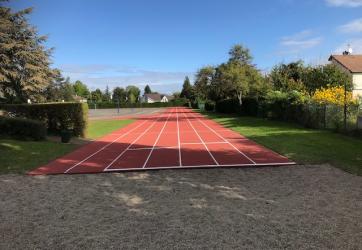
column 290, row 207
column 95, row 114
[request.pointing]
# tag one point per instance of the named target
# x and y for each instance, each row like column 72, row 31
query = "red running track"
column 176, row 138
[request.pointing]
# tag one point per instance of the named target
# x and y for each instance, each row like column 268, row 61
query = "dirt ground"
column 295, row 207
column 95, row 114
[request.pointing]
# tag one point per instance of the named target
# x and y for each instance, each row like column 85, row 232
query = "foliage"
column 96, row 95
column 147, row 90
column 333, row 95
column 81, row 89
column 24, row 62
column 203, row 80
column 235, row 80
column 59, row 89
column 119, row 94
column 187, row 90
column 56, row 116
column 297, row 76
column 106, row 96
column 22, row 128
column 240, row 54
column 287, row 77
column 133, row 93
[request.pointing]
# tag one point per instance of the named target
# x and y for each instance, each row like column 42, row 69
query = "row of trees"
column 239, row 78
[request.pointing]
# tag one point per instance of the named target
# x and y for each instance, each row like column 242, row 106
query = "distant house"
column 352, row 65
column 152, row 98
column 78, row 98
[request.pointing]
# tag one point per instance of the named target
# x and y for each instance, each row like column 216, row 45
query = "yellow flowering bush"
column 332, row 95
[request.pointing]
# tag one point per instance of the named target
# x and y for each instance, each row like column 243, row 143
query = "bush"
column 56, row 116
column 22, row 128
column 209, row 106
column 228, row 106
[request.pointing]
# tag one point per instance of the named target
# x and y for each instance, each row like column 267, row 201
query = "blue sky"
column 117, row 43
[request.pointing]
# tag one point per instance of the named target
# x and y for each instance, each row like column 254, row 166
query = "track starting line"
column 176, row 138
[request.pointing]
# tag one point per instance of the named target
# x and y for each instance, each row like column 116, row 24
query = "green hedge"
column 22, row 128
column 55, row 116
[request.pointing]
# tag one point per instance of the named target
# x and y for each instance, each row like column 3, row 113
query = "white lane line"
column 149, row 148
column 130, row 145
column 226, row 140
column 178, row 140
column 202, row 141
column 157, row 139
column 104, row 147
column 205, row 166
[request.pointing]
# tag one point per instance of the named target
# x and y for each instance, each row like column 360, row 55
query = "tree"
column 203, row 81
column 96, row 95
column 187, row 89
column 288, row 77
column 59, row 89
column 324, row 76
column 106, row 97
column 133, row 93
column 119, row 94
column 148, row 90
column 25, row 69
column 81, row 89
column 238, row 53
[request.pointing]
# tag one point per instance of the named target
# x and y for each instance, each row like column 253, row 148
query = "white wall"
column 357, row 82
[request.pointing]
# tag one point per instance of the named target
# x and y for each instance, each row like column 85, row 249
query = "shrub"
column 22, row 128
column 209, row 106
column 228, row 106
column 56, row 116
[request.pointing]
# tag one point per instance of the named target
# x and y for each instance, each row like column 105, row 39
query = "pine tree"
column 187, row 89
column 24, row 61
column 148, row 90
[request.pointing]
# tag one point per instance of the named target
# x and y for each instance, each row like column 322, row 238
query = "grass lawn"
column 297, row 143
column 21, row 156
column 98, row 128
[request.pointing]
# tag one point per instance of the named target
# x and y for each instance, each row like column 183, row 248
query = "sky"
column 159, row 42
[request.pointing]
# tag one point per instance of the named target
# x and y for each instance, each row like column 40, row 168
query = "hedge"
column 22, row 128
column 55, row 116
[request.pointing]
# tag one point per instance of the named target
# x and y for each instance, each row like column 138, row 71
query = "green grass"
column 21, row 156
column 99, row 128
column 305, row 146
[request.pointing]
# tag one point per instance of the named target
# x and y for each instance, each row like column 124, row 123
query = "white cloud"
column 354, row 26
column 356, row 45
column 99, row 76
column 344, row 3
column 300, row 41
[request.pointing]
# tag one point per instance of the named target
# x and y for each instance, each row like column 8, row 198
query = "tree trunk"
column 239, row 98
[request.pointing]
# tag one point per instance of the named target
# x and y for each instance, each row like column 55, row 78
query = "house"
column 155, row 97
column 352, row 64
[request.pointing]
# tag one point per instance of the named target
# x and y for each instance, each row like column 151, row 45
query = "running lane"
column 176, row 138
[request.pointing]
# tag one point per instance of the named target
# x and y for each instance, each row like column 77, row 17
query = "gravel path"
column 123, row 112
column 295, row 207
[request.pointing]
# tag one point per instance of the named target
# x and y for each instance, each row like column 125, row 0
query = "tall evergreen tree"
column 106, row 95
column 24, row 61
column 148, row 89
column 187, row 89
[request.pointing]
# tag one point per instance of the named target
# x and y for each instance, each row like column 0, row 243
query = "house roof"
column 155, row 97
column 353, row 63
